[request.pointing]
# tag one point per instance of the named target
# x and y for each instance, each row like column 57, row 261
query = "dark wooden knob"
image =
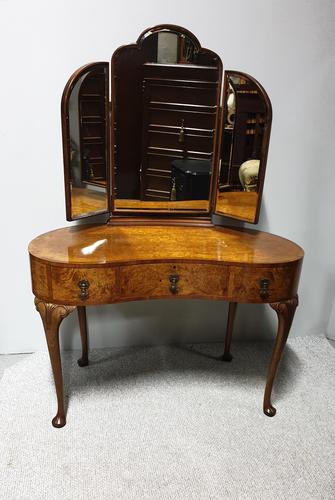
column 83, row 287
column 264, row 288
column 174, row 278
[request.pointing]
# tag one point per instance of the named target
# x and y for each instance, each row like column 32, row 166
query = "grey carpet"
column 171, row 423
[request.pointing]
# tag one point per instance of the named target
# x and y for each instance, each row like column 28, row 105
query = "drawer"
column 169, row 280
column 263, row 284
column 83, row 285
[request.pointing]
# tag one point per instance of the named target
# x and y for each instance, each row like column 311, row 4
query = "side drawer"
column 83, row 285
column 264, row 284
column 168, row 280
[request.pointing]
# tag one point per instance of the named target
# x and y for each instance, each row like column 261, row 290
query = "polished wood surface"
column 100, row 244
column 52, row 316
column 229, row 331
column 185, row 206
column 83, row 361
column 102, row 264
column 285, row 312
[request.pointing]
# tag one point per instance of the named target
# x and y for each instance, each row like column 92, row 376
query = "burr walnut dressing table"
column 160, row 141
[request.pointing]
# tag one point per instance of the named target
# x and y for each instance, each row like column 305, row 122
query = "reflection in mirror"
column 245, row 137
column 87, row 145
column 166, row 99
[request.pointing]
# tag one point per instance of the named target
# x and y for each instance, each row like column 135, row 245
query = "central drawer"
column 164, row 280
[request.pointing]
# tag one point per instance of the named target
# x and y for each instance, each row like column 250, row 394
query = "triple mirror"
column 162, row 130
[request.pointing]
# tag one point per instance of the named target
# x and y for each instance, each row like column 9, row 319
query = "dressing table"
column 159, row 141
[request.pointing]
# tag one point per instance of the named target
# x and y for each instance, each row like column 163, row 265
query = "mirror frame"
column 117, row 216
column 264, row 148
column 194, row 215
column 74, row 78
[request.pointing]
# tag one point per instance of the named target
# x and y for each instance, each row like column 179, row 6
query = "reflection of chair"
column 248, row 174
column 190, row 179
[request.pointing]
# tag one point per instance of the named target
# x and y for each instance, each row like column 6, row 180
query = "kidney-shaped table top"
column 102, row 244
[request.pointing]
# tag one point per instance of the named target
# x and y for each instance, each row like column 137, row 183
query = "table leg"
column 52, row 316
column 229, row 331
column 83, row 361
column 285, row 311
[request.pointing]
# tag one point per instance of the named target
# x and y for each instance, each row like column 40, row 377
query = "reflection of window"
column 173, row 49
column 167, row 48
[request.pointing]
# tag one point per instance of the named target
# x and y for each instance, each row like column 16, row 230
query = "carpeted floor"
column 172, row 423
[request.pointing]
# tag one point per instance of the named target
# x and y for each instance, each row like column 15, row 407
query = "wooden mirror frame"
column 161, row 216
column 73, row 80
column 176, row 215
column 264, row 148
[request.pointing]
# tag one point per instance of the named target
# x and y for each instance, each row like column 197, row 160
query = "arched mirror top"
column 244, row 82
column 169, row 28
column 170, row 44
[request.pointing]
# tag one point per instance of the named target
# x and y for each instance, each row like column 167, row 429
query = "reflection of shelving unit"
column 91, row 106
column 179, row 111
column 242, row 141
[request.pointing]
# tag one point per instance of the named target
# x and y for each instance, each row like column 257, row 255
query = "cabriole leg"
column 285, row 311
column 52, row 316
column 83, row 361
column 229, row 331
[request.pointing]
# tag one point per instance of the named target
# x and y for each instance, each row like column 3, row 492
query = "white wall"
column 288, row 45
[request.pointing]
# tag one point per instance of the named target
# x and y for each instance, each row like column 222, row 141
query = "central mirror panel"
column 166, row 100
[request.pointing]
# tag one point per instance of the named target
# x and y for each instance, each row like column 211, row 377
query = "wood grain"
column 65, row 288
column 103, row 245
column 102, row 264
column 52, row 315
column 153, row 280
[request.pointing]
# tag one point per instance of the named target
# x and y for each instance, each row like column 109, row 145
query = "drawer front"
column 265, row 284
column 171, row 280
column 83, row 285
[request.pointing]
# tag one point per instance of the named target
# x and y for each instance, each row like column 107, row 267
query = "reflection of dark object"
column 191, row 179
column 75, row 164
column 160, row 96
